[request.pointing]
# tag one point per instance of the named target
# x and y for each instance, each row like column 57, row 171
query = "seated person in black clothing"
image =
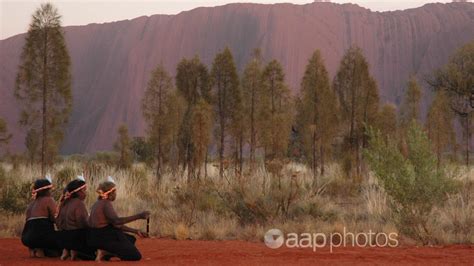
column 38, row 233
column 107, row 228
column 72, row 222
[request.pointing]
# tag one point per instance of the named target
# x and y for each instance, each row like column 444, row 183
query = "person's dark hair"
column 39, row 183
column 73, row 185
column 104, row 187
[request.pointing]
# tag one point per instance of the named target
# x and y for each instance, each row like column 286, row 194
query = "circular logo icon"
column 274, row 238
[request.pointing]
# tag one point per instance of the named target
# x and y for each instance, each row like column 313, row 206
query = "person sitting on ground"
column 38, row 233
column 107, row 228
column 72, row 221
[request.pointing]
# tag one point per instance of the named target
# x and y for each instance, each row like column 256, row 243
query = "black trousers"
column 40, row 233
column 76, row 240
column 115, row 241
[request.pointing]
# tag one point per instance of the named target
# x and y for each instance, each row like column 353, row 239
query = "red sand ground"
column 166, row 251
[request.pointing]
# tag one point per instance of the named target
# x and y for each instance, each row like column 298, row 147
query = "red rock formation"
column 112, row 61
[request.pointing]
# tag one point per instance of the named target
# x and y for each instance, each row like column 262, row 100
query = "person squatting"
column 79, row 236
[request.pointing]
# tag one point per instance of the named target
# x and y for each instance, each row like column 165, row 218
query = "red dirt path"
column 166, row 251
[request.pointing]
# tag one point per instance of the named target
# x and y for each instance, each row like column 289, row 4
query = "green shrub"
column 63, row 176
column 249, row 209
column 15, row 196
column 253, row 206
column 208, row 199
column 194, row 197
column 415, row 185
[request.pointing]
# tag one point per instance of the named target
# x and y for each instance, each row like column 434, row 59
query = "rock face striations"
column 111, row 62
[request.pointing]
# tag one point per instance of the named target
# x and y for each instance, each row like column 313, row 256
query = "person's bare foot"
column 100, row 255
column 74, row 255
column 39, row 253
column 65, row 254
column 32, row 252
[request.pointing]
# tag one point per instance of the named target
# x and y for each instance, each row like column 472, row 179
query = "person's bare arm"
column 114, row 219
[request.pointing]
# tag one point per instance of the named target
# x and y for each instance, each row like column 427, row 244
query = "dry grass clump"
column 181, row 232
column 454, row 222
column 11, row 224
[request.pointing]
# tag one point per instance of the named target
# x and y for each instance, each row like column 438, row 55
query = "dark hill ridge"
column 111, row 62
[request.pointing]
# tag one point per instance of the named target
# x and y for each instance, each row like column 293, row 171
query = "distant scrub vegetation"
column 282, row 195
column 237, row 121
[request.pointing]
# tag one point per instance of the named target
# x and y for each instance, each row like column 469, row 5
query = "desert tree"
column 317, row 112
column 275, row 112
column 409, row 111
column 251, row 91
column 225, row 96
column 176, row 106
column 410, row 108
column 32, row 144
column 439, row 125
column 123, row 147
column 358, row 97
column 201, row 125
column 142, row 150
column 238, row 130
column 43, row 82
column 193, row 82
column 155, row 111
column 457, row 79
column 387, row 121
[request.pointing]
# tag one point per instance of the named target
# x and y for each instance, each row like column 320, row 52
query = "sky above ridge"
column 15, row 15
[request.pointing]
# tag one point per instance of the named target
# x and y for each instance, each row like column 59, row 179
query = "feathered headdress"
column 110, row 179
column 81, row 177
